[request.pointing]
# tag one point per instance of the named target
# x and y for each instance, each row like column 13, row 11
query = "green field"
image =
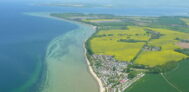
column 180, row 76
column 99, row 20
column 151, row 83
column 155, row 82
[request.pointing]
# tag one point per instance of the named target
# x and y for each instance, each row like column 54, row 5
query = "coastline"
column 47, row 15
column 89, row 68
column 91, row 71
column 101, row 87
column 87, row 61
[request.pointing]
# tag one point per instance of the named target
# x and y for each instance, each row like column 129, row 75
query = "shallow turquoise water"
column 67, row 69
column 24, row 40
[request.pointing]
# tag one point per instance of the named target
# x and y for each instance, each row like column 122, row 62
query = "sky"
column 126, row 3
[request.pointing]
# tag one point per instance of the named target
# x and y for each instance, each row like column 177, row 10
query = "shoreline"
column 101, row 87
column 47, row 15
column 90, row 69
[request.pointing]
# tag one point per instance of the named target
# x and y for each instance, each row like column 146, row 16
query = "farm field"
column 179, row 76
column 153, row 58
column 156, row 46
column 167, row 42
column 100, row 20
column 109, row 42
column 186, row 20
column 125, row 44
column 152, row 82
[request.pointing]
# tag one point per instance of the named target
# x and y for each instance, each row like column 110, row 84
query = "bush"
column 132, row 74
column 163, row 68
column 184, row 51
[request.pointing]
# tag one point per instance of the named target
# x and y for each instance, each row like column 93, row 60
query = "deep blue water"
column 23, row 41
column 23, row 38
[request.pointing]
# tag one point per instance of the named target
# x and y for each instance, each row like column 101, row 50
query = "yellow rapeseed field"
column 167, row 42
column 107, row 42
column 185, row 20
column 153, row 58
column 122, row 51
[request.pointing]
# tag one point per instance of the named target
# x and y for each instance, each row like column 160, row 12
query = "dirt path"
column 171, row 84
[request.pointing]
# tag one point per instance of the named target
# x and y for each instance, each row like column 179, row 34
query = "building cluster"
column 112, row 73
column 151, row 48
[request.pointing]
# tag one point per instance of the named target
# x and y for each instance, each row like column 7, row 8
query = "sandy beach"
column 90, row 69
column 65, row 61
column 101, row 87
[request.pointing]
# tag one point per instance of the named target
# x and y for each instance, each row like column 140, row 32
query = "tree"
column 132, row 74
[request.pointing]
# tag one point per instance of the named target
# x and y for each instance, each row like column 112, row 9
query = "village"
column 113, row 73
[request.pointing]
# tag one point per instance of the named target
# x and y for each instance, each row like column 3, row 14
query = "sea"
column 24, row 40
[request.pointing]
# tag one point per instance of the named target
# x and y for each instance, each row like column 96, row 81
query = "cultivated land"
column 125, row 44
column 167, row 43
column 118, row 43
column 125, row 48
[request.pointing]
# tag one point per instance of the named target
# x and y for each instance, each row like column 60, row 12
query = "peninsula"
column 126, row 48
